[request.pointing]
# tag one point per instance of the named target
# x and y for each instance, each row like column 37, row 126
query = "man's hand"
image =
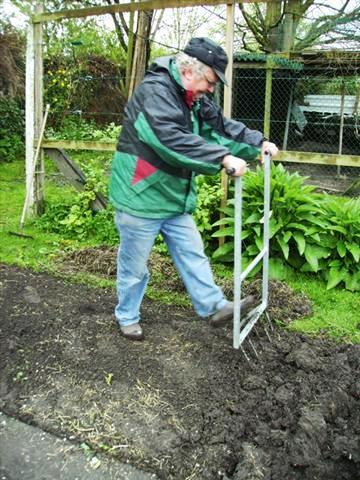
column 234, row 166
column 270, row 148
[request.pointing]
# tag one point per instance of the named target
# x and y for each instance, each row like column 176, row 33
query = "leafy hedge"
column 309, row 232
column 12, row 129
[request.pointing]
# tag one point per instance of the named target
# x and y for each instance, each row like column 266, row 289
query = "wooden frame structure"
column 34, row 73
column 34, row 91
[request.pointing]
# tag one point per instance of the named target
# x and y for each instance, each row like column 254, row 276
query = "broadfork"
column 243, row 326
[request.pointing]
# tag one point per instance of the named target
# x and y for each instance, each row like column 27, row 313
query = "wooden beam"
column 30, row 144
column 80, row 145
column 318, row 158
column 283, row 156
column 38, row 112
column 129, row 7
column 230, row 16
column 268, row 97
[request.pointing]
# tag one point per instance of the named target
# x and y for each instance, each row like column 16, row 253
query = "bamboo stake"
column 33, row 166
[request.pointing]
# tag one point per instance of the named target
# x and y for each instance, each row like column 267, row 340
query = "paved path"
column 28, row 453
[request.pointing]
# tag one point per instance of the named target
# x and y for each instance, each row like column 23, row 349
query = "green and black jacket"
column 166, row 139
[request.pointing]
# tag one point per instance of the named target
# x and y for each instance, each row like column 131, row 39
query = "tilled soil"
column 183, row 404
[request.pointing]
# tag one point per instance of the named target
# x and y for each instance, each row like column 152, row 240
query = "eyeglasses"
column 211, row 83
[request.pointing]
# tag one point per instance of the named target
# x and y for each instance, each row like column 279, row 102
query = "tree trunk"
column 273, row 26
column 292, row 15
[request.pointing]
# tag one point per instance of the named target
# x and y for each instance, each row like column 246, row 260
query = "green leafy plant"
column 209, row 194
column 12, row 128
column 78, row 220
column 344, row 240
column 74, row 127
column 307, row 229
column 59, row 88
column 292, row 203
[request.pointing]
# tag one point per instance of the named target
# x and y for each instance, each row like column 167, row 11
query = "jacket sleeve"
column 163, row 126
column 234, row 135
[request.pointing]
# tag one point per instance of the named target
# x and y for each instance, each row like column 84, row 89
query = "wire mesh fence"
column 312, row 110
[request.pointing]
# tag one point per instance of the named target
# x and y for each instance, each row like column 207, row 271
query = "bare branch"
column 256, row 24
column 326, row 24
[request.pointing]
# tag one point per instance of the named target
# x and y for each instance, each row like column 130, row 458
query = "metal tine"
column 269, row 320
column 254, row 349
column 245, row 355
column 255, row 331
column 239, row 333
column 267, row 334
column 259, row 347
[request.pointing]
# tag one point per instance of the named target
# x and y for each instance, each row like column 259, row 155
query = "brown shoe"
column 132, row 332
column 226, row 314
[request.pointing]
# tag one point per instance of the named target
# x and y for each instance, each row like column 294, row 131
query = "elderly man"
column 173, row 131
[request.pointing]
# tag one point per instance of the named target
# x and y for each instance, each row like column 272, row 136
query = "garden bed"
column 183, row 404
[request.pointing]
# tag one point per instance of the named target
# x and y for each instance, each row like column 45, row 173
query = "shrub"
column 78, row 220
column 12, row 129
column 344, row 240
column 209, row 194
column 76, row 128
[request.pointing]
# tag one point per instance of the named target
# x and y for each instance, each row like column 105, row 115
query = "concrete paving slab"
column 29, row 453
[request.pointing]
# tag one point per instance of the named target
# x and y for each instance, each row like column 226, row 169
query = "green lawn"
column 35, row 248
column 336, row 312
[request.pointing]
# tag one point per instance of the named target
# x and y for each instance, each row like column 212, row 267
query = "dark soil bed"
column 183, row 404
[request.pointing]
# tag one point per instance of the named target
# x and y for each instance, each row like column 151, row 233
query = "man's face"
column 200, row 84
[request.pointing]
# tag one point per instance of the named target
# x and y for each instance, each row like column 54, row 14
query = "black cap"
column 210, row 53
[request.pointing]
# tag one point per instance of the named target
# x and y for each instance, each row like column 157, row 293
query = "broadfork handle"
column 266, row 152
column 230, row 171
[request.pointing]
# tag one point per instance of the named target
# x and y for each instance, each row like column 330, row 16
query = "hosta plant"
column 306, row 229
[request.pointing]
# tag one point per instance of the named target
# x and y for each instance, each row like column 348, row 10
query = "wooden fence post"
column 38, row 111
column 29, row 114
column 268, row 94
column 34, row 114
column 230, row 13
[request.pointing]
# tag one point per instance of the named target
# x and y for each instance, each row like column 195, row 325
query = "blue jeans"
column 137, row 236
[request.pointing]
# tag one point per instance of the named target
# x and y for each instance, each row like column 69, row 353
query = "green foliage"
column 335, row 312
column 208, row 199
column 327, row 86
column 87, row 86
column 309, row 232
column 79, row 38
column 59, row 88
column 344, row 240
column 12, row 128
column 351, row 86
column 77, row 220
column 76, row 128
